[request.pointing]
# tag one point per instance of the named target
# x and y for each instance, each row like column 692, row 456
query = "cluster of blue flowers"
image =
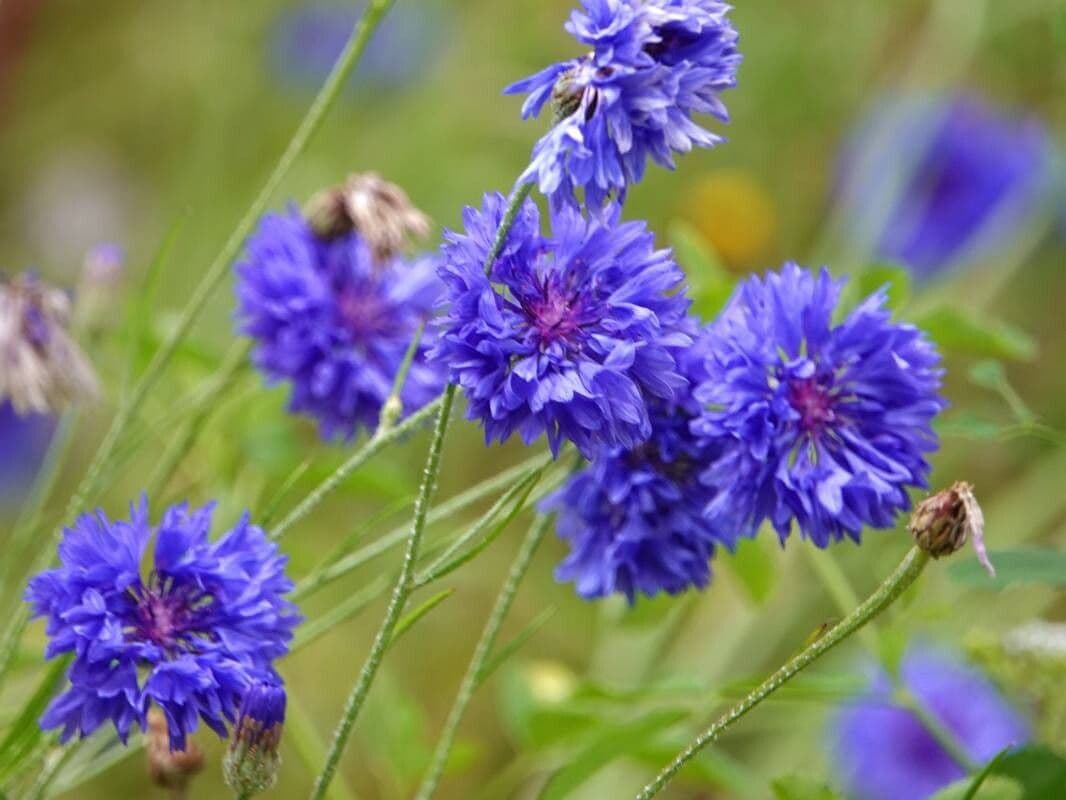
column 787, row 409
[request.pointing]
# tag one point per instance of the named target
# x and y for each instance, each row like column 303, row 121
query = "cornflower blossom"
column 568, row 336
column 651, row 65
column 823, row 424
column 190, row 634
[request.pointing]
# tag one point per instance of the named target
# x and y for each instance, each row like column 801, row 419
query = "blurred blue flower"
column 570, row 336
column 190, row 634
column 935, row 184
column 334, row 323
column 634, row 518
column 825, row 424
column 24, row 440
column 652, row 65
column 307, row 40
column 884, row 752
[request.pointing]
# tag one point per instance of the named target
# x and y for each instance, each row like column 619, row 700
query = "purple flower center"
column 169, row 615
column 558, row 312
column 363, row 313
column 813, row 402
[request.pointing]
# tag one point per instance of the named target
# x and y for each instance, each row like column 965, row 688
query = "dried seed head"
column 170, row 769
column 44, row 370
column 251, row 762
column 380, row 211
column 943, row 522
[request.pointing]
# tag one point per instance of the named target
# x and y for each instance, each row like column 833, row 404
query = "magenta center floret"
column 167, row 616
column 813, row 402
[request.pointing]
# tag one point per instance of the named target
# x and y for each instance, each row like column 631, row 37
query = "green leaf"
column 1028, row 565
column 960, row 334
column 414, row 615
column 1041, row 772
column 968, row 425
column 24, row 733
column 896, row 281
column 607, row 745
column 982, row 787
column 754, row 567
column 710, row 284
column 800, row 787
column 514, row 645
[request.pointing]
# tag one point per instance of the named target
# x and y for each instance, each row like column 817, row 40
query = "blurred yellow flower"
column 736, row 215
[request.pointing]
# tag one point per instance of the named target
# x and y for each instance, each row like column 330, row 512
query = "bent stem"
column 903, row 576
column 400, row 594
column 481, row 654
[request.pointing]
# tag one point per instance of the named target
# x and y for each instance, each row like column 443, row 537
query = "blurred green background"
column 123, row 119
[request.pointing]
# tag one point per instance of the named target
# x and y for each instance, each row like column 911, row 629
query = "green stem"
column 903, row 576
column 396, row 605
column 509, row 216
column 381, row 438
column 481, row 654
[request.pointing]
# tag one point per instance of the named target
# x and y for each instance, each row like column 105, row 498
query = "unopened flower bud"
column 379, row 211
column 170, row 769
column 44, row 370
column 943, row 522
column 251, row 762
column 99, row 289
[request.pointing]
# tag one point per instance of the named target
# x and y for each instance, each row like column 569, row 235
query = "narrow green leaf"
column 894, row 279
column 607, row 745
column 516, row 644
column 25, row 733
column 1041, row 772
column 408, row 620
column 960, row 334
column 1028, row 565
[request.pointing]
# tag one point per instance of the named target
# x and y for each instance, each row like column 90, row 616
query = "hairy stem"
column 400, row 594
column 903, row 576
column 481, row 654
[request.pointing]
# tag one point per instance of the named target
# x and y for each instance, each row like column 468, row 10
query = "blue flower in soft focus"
column 24, row 440
column 307, row 40
column 571, row 336
column 652, row 65
column 884, row 752
column 935, row 184
column 190, row 634
column 634, row 518
column 825, row 424
column 334, row 323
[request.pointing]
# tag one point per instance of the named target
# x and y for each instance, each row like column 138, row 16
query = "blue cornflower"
column 884, row 752
column 191, row 634
column 334, row 322
column 24, row 441
column 937, row 184
column 652, row 65
column 825, row 424
column 634, row 518
column 308, row 39
column 571, row 335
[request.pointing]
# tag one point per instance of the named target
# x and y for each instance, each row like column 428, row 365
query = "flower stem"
column 481, row 654
column 903, row 576
column 518, row 197
column 376, row 444
column 396, row 605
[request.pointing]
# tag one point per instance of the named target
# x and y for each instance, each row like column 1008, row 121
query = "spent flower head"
column 570, row 335
column 825, row 424
column 942, row 523
column 189, row 634
column 652, row 65
column 44, row 369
